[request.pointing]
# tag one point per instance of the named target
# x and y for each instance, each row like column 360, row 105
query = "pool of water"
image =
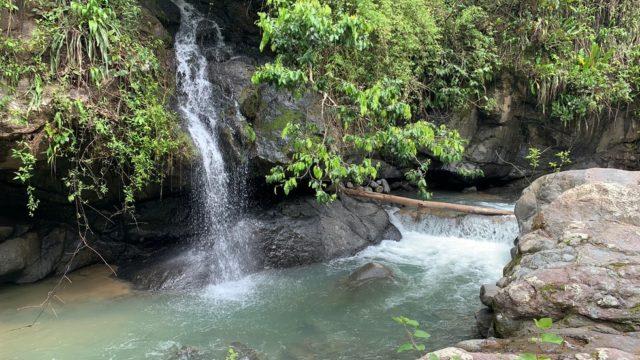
column 301, row 313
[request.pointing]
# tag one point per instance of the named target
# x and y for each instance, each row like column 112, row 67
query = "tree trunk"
column 468, row 209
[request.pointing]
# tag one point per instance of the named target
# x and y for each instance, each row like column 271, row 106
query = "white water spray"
column 220, row 247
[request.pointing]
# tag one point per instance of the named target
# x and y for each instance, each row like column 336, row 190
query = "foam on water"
column 220, row 247
column 305, row 312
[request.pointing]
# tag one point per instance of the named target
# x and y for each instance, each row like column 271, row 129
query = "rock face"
column 500, row 138
column 31, row 250
column 302, row 231
column 578, row 262
column 578, row 253
column 296, row 231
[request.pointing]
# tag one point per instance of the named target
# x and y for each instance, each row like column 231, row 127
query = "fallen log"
column 468, row 209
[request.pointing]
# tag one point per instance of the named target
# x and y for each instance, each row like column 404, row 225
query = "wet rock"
column 5, row 231
column 210, row 41
column 385, row 186
column 187, row 352
column 484, row 322
column 269, row 111
column 368, row 273
column 165, row 11
column 17, row 253
column 487, row 293
column 303, row 231
column 247, row 353
column 50, row 251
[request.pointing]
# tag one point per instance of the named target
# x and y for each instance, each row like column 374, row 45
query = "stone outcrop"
column 578, row 257
column 577, row 261
column 499, row 138
column 33, row 248
column 303, row 231
column 296, row 231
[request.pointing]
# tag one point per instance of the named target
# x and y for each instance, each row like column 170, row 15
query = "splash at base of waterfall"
column 221, row 253
column 305, row 312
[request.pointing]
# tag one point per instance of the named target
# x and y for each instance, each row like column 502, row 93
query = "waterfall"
column 500, row 229
column 219, row 245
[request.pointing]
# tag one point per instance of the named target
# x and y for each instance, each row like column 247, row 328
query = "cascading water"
column 218, row 244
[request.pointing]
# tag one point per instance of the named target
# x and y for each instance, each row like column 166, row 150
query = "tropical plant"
column 414, row 334
column 365, row 74
column 120, row 128
column 544, row 337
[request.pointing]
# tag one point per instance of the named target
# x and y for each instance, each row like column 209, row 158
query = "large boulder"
column 545, row 190
column 578, row 262
column 578, row 257
column 303, row 231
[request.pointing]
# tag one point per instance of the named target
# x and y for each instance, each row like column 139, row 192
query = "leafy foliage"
column 382, row 64
column 543, row 324
column 368, row 61
column 414, row 334
column 113, row 131
column 581, row 56
column 25, row 173
column 563, row 158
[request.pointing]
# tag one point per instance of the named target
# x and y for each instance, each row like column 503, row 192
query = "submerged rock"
column 368, row 273
column 186, row 352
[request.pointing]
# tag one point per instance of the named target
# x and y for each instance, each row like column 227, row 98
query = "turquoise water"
column 300, row 313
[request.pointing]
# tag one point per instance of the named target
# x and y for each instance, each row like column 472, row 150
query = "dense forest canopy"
column 382, row 67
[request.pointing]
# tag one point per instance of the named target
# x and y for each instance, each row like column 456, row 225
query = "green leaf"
column 551, row 338
column 527, row 356
column 317, row 172
column 412, row 323
column 543, row 323
column 405, row 347
column 421, row 334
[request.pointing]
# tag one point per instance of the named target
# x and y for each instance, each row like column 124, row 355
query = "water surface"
column 300, row 313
